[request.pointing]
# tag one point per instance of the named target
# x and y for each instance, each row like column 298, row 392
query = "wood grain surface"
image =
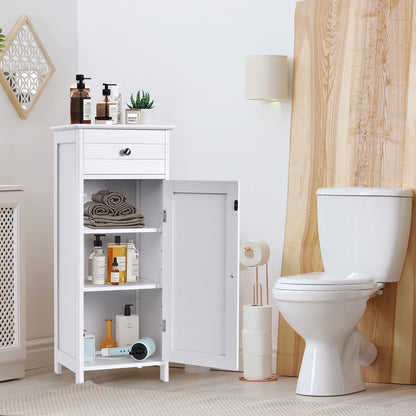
column 353, row 123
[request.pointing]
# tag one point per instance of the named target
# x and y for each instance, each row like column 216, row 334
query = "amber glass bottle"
column 115, row 273
column 108, row 341
column 80, row 103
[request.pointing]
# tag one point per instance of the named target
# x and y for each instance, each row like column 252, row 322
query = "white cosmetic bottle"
column 97, row 262
column 127, row 328
column 132, row 262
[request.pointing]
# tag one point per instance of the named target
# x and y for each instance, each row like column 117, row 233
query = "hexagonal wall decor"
column 25, row 67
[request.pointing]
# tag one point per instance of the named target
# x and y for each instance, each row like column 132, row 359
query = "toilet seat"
column 326, row 281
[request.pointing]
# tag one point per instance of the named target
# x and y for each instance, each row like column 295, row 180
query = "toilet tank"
column 364, row 230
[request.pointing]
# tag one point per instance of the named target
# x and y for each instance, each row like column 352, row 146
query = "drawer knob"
column 126, row 152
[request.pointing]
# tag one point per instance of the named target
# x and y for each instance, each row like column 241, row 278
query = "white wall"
column 26, row 149
column 190, row 55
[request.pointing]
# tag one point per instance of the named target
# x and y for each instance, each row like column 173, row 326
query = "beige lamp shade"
column 266, row 77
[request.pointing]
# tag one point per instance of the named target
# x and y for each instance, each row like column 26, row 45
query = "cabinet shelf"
column 108, row 363
column 120, row 230
column 143, row 284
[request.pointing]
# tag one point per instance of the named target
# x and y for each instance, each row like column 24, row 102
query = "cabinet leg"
column 164, row 372
column 58, row 368
column 79, row 377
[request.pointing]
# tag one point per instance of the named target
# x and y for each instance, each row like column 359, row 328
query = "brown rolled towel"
column 124, row 209
column 97, row 208
column 109, row 197
column 110, row 221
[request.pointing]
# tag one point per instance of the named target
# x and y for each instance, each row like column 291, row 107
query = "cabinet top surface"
column 112, row 127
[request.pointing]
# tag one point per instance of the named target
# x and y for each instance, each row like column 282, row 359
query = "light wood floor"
column 390, row 395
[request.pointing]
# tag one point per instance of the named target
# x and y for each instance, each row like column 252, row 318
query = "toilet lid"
column 326, row 281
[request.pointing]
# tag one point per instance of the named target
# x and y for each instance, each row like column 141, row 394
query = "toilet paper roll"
column 257, row 317
column 257, row 367
column 254, row 253
column 257, row 342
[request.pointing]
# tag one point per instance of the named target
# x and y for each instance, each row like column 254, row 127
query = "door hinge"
column 164, row 215
column 164, row 325
column 236, row 205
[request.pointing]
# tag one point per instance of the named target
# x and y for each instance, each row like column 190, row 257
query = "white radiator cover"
column 12, row 335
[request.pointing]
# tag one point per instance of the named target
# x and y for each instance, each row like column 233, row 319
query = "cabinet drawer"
column 121, row 154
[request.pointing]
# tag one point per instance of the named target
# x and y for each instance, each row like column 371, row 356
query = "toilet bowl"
column 329, row 367
column 363, row 238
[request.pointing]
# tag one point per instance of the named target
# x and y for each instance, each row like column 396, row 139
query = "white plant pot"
column 146, row 115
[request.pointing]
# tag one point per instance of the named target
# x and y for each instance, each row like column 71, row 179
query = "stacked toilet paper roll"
column 257, row 342
column 254, row 253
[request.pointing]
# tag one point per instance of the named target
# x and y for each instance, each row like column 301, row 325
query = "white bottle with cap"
column 132, row 262
column 127, row 328
column 115, row 108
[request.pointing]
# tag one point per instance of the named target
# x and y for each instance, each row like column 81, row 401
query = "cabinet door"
column 200, row 273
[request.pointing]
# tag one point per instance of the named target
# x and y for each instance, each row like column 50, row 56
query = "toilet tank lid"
column 366, row 191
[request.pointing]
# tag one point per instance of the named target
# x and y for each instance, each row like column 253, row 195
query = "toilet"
column 363, row 235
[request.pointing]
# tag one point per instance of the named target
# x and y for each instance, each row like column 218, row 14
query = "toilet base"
column 329, row 369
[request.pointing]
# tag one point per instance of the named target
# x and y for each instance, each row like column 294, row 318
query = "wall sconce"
column 267, row 77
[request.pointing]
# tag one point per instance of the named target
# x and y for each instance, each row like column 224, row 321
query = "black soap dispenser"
column 103, row 106
column 80, row 103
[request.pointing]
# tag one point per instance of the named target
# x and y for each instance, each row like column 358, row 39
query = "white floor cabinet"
column 12, row 319
column 187, row 297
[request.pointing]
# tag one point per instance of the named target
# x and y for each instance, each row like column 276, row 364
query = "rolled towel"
column 110, row 221
column 97, row 208
column 109, row 197
column 124, row 209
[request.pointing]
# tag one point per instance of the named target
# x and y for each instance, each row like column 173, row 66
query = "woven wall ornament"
column 25, row 67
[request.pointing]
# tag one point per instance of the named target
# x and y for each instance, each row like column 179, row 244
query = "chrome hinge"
column 164, row 325
column 164, row 215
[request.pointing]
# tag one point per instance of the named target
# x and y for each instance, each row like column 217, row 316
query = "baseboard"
column 39, row 353
column 11, row 371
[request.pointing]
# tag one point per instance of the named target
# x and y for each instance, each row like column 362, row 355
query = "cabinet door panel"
column 200, row 269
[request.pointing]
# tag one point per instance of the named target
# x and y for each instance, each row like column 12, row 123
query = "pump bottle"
column 97, row 262
column 127, row 327
column 103, row 107
column 80, row 103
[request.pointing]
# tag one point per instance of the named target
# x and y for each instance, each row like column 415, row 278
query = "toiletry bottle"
column 127, row 328
column 118, row 250
column 80, row 103
column 108, row 341
column 97, row 262
column 89, row 347
column 115, row 109
column 114, row 274
column 103, row 107
column 132, row 262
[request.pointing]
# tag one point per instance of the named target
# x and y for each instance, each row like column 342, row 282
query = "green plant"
column 2, row 38
column 140, row 102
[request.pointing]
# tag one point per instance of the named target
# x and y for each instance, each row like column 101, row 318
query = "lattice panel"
column 25, row 66
column 7, row 279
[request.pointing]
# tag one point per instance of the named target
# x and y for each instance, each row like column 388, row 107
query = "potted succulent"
column 141, row 109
